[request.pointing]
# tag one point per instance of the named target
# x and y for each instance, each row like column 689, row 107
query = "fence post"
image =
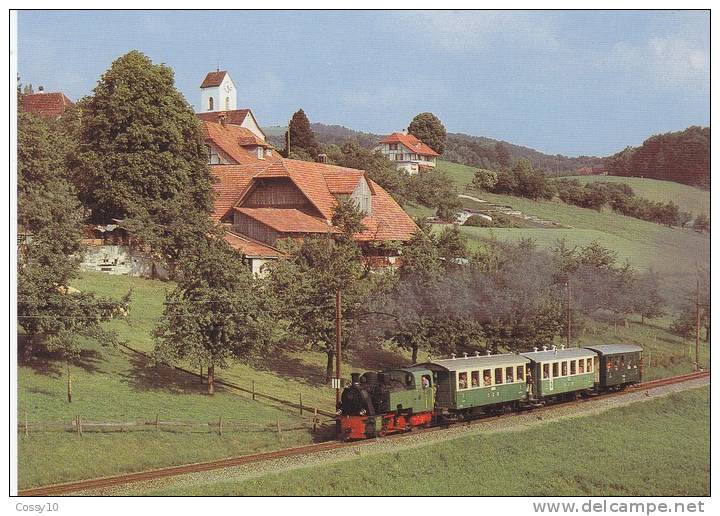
column 26, row 425
column 78, row 426
column 301, row 407
column 253, row 389
column 279, row 432
column 220, row 425
column 157, row 422
column 315, row 421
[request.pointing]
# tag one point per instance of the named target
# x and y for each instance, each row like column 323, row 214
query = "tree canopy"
column 217, row 311
column 141, row 157
column 50, row 225
column 302, row 138
column 428, row 128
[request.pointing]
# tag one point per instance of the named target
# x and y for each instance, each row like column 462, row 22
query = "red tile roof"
column 412, row 143
column 235, row 116
column 46, row 105
column 288, row 220
column 227, row 139
column 318, row 182
column 213, row 79
column 387, row 220
column 233, row 180
column 251, row 248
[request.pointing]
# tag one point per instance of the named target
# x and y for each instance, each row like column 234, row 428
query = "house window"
column 211, row 104
column 214, row 158
column 393, row 146
column 400, row 157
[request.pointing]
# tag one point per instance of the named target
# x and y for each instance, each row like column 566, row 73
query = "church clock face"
column 228, row 88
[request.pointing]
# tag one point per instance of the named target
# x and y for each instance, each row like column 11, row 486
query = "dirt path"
column 517, row 422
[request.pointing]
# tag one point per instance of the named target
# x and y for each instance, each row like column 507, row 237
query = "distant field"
column 687, row 197
column 628, row 451
column 671, row 251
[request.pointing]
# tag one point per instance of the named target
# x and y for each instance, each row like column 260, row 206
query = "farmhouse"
column 263, row 198
column 45, row 105
column 407, row 152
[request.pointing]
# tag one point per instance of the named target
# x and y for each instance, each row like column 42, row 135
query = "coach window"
column 555, row 370
column 509, row 375
column 573, row 367
column 462, row 381
column 475, row 378
column 487, row 377
column 564, row 368
column 589, row 365
column 546, row 370
column 581, row 366
column 520, row 374
column 498, row 376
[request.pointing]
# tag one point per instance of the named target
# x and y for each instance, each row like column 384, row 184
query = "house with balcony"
column 407, row 152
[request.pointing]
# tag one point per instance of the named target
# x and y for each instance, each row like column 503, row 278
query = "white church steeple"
column 217, row 92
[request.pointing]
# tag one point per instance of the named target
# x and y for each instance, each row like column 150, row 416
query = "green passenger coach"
column 478, row 383
column 619, row 364
column 561, row 372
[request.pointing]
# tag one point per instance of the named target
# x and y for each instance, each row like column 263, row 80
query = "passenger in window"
column 581, row 366
column 509, row 378
column 487, row 380
column 475, row 382
column 425, row 382
column 462, row 381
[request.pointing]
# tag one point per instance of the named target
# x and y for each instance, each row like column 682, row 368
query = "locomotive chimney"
column 355, row 378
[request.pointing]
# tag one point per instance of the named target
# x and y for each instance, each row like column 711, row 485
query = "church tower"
column 218, row 93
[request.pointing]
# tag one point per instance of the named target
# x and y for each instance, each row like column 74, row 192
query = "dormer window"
column 211, row 104
column 213, row 156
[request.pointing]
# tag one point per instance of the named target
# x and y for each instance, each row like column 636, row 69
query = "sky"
column 562, row 82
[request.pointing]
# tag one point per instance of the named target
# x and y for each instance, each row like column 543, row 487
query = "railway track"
column 97, row 483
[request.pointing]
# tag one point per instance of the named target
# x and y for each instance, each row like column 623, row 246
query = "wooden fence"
column 222, row 425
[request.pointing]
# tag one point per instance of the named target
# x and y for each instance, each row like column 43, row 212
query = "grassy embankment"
column 628, row 451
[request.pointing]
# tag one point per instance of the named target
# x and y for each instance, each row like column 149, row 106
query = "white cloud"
column 669, row 61
column 468, row 30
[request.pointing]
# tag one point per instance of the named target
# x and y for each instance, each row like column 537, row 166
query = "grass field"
column 688, row 198
column 671, row 251
column 628, row 451
column 110, row 385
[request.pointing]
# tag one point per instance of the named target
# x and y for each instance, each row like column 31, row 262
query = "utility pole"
column 697, row 324
column 569, row 314
column 338, row 345
column 287, row 140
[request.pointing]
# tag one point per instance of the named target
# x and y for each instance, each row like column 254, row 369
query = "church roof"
column 213, row 79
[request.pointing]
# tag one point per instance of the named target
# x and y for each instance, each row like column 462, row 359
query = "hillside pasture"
column 688, row 198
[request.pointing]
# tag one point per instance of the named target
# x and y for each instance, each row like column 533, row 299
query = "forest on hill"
column 476, row 151
column 682, row 156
